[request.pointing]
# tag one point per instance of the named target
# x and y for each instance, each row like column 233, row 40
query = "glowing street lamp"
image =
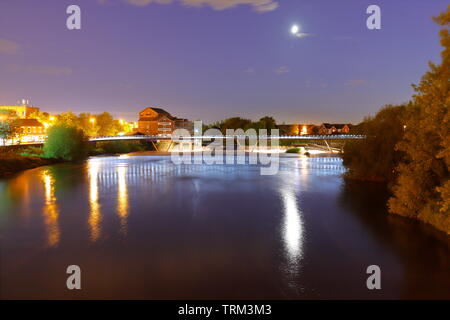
column 92, row 120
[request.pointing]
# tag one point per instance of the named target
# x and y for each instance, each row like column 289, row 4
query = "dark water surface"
column 142, row 227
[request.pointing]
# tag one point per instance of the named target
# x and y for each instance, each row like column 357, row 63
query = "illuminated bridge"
column 157, row 138
column 169, row 138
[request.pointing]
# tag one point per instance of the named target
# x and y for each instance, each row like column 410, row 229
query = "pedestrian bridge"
column 279, row 137
column 157, row 138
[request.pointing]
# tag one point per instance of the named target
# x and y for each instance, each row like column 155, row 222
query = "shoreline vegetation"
column 408, row 146
column 13, row 162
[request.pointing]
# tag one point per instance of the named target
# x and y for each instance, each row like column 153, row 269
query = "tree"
column 423, row 187
column 268, row 123
column 7, row 128
column 375, row 157
column 107, row 125
column 235, row 123
column 66, row 143
column 88, row 123
column 241, row 123
column 68, row 119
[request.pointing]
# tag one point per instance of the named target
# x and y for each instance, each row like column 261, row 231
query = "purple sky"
column 211, row 62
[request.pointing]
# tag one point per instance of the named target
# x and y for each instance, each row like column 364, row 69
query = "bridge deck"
column 208, row 138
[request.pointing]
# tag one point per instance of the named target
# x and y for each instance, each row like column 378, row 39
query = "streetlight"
column 92, row 120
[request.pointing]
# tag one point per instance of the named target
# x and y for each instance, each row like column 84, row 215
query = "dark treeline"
column 235, row 123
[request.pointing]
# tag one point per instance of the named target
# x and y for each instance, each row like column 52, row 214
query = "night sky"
column 208, row 60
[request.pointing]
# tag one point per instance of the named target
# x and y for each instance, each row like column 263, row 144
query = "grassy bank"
column 11, row 163
column 33, row 157
column 118, row 147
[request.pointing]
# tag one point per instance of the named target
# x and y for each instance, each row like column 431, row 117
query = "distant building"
column 288, row 129
column 297, row 129
column 157, row 121
column 22, row 112
column 30, row 130
column 334, row 128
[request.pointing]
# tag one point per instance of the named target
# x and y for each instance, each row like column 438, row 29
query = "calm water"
column 141, row 227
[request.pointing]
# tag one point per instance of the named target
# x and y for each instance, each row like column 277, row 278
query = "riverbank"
column 438, row 221
column 11, row 163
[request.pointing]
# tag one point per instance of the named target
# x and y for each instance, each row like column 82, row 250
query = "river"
column 142, row 227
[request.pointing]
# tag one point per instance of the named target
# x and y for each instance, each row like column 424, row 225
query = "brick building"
column 334, row 128
column 157, row 121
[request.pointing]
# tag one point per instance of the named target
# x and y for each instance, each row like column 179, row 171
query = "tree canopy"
column 66, row 143
column 423, row 186
column 235, row 123
column 92, row 125
column 409, row 146
column 375, row 158
column 7, row 128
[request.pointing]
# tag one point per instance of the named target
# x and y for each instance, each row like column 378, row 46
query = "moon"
column 295, row 29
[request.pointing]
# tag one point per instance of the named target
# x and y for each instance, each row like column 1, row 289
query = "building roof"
column 159, row 111
column 27, row 123
column 162, row 111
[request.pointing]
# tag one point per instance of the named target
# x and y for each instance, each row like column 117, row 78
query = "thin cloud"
column 257, row 5
column 355, row 83
column 282, row 70
column 302, row 35
column 249, row 70
column 45, row 70
column 142, row 3
column 8, row 46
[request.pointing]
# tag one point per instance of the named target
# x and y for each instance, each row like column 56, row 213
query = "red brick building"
column 334, row 128
column 157, row 121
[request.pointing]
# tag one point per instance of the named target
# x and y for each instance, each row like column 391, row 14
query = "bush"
column 66, row 143
column 114, row 147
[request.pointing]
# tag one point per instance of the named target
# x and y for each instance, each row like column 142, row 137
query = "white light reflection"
column 292, row 227
column 51, row 212
column 94, row 213
column 122, row 198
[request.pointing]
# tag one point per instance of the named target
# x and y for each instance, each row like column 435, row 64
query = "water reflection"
column 212, row 231
column 122, row 198
column 292, row 229
column 293, row 226
column 50, row 211
column 94, row 219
